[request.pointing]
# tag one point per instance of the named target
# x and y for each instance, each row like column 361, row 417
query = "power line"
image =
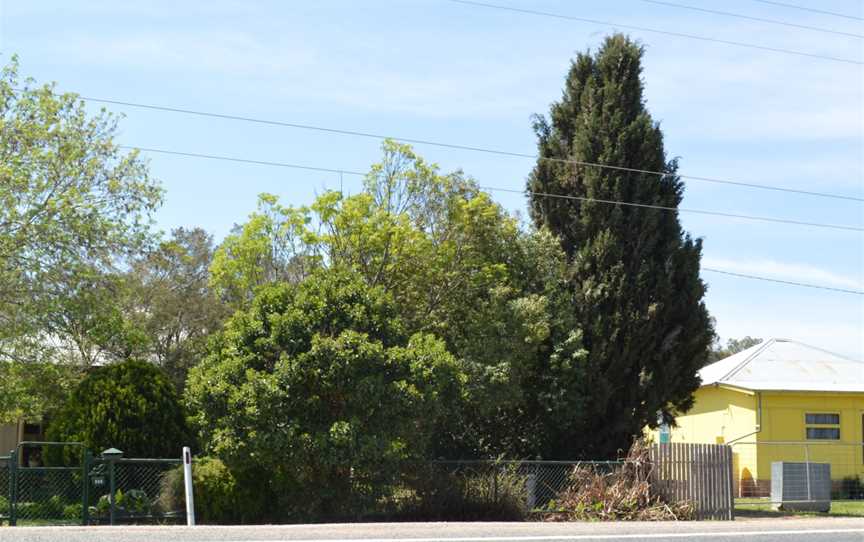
column 750, row 18
column 528, row 192
column 656, row 31
column 454, row 146
column 342, row 172
column 241, row 160
column 803, row 8
column 678, row 209
column 805, row 285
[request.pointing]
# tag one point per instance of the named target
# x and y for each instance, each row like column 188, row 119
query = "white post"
column 187, row 479
column 807, row 464
column 531, row 488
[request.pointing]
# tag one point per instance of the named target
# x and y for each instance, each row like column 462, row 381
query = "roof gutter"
column 758, row 420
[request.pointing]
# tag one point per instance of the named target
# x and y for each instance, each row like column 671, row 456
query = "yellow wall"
column 722, row 415
column 718, row 415
column 784, row 421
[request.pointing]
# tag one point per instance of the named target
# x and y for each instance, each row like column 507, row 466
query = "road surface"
column 757, row 530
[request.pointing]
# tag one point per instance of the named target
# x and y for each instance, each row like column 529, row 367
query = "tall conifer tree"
column 634, row 272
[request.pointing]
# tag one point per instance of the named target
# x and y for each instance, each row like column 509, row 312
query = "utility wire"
column 533, row 193
column 678, row 209
column 803, row 8
column 750, row 18
column 805, row 285
column 656, row 31
column 342, row 172
column 440, row 144
column 241, row 160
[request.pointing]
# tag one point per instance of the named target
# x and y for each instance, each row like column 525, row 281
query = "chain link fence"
column 4, row 488
column 138, row 486
column 781, row 474
column 62, row 484
column 535, row 485
column 117, row 490
column 48, row 495
column 492, row 490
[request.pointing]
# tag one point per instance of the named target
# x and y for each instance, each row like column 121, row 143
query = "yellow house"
column 780, row 400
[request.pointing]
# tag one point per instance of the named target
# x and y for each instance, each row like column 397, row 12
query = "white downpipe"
column 187, row 482
column 758, row 420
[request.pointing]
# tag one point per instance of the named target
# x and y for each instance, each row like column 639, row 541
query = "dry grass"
column 621, row 493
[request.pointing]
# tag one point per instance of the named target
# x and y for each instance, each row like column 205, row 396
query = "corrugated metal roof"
column 783, row 364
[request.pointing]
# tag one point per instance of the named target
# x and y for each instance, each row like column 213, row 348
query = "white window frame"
column 808, row 426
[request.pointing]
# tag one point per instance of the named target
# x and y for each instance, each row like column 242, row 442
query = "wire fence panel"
column 43, row 483
column 779, row 474
column 5, row 489
column 139, row 486
column 46, row 484
column 49, row 495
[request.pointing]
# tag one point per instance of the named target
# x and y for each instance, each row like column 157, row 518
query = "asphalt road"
column 758, row 530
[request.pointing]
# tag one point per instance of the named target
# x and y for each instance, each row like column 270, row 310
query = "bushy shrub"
column 133, row 502
column 53, row 507
column 219, row 498
column 318, row 386
column 850, row 487
column 73, row 511
column 444, row 492
column 131, row 405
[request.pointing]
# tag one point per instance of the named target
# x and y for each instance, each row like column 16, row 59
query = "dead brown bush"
column 622, row 492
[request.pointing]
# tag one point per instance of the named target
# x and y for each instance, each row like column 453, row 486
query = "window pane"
column 823, row 433
column 823, row 419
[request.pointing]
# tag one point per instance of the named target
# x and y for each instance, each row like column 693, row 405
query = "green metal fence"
column 138, row 485
column 43, row 483
column 5, row 488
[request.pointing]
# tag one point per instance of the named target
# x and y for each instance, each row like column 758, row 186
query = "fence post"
column 807, row 469
column 112, row 487
column 85, row 490
column 111, row 455
column 13, row 487
column 495, row 483
column 730, row 472
column 531, row 487
column 187, row 483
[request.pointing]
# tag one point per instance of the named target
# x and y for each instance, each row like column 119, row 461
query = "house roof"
column 786, row 365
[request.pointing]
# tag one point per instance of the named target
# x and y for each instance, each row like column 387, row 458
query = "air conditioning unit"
column 801, row 486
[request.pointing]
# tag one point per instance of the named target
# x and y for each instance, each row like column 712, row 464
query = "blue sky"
column 436, row 70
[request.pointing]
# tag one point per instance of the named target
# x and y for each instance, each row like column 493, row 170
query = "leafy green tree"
column 130, row 405
column 318, row 386
column 71, row 205
column 634, row 274
column 169, row 302
column 161, row 309
column 455, row 263
column 733, row 346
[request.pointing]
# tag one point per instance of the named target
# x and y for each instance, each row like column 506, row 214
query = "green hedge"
column 219, row 497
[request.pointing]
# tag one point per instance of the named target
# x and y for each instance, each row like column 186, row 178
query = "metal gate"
column 62, row 483
column 39, row 493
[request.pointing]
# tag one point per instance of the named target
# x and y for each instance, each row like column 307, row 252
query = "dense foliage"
column 318, row 387
column 634, row 274
column 130, row 405
column 71, row 205
column 456, row 265
column 220, row 497
column 414, row 320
